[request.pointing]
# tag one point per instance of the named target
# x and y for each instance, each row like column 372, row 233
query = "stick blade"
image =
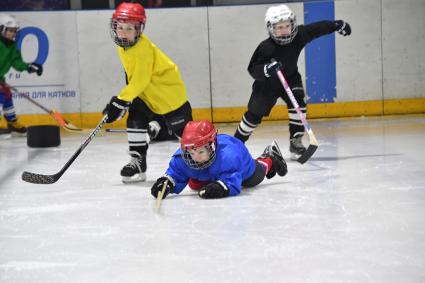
column 65, row 124
column 38, row 178
column 308, row 153
column 160, row 196
column 72, row 128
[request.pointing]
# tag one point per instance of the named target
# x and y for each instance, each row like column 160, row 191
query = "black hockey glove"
column 115, row 109
column 342, row 27
column 35, row 68
column 157, row 187
column 272, row 68
column 214, row 190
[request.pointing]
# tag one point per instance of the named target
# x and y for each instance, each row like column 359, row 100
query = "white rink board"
column 403, row 50
column 101, row 72
column 58, row 87
column 233, row 41
column 359, row 56
column 182, row 34
column 212, row 47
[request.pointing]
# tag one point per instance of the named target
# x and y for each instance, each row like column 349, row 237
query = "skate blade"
column 18, row 135
column 294, row 156
column 134, row 179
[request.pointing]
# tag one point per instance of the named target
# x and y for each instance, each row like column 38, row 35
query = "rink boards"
column 374, row 71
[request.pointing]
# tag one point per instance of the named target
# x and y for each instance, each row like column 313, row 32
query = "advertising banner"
column 49, row 39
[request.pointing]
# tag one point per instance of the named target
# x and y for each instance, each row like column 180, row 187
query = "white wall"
column 359, row 56
column 382, row 59
column 403, row 45
column 182, row 34
column 101, row 72
column 61, row 72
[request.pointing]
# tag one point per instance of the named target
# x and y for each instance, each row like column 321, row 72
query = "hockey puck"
column 43, row 136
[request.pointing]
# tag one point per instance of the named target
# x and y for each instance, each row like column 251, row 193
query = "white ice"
column 354, row 213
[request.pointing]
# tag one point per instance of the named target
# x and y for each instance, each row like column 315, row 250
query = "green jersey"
column 10, row 56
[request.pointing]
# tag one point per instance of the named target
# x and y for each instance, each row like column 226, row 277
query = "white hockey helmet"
column 7, row 22
column 281, row 13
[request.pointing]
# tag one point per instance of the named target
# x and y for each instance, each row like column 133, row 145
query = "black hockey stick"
column 313, row 142
column 116, row 130
column 50, row 179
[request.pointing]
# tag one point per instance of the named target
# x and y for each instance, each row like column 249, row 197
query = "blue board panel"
column 320, row 56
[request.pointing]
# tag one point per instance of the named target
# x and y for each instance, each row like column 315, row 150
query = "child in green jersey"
column 10, row 56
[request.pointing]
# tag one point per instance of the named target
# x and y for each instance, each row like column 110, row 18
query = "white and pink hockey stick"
column 313, row 142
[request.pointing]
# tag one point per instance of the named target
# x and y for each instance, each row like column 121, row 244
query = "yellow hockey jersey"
column 152, row 77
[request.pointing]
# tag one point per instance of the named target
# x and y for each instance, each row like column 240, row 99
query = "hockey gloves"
column 342, row 27
column 214, row 190
column 272, row 68
column 157, row 187
column 115, row 109
column 35, row 68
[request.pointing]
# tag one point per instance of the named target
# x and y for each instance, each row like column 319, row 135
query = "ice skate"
column 16, row 128
column 135, row 171
column 4, row 133
column 279, row 164
column 296, row 147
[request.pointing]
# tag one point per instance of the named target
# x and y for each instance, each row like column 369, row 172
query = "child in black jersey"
column 281, row 50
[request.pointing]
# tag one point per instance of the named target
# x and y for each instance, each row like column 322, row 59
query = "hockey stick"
column 65, row 124
column 116, row 130
column 50, row 179
column 160, row 196
column 313, row 142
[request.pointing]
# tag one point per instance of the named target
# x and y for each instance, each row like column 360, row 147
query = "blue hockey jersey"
column 233, row 165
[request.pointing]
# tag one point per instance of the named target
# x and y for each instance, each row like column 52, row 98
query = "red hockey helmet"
column 128, row 12
column 197, row 134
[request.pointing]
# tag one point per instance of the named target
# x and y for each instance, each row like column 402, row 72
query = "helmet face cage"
column 279, row 14
column 123, row 42
column 210, row 146
column 285, row 39
column 128, row 13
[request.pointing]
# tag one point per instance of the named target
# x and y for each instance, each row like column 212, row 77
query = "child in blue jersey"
column 215, row 165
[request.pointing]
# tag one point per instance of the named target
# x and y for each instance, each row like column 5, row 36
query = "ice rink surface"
column 354, row 213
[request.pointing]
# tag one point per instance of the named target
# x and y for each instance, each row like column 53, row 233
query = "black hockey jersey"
column 287, row 54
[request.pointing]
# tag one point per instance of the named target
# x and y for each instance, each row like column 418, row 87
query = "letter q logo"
column 43, row 42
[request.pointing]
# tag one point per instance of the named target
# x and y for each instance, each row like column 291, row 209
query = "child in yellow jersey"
column 155, row 95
